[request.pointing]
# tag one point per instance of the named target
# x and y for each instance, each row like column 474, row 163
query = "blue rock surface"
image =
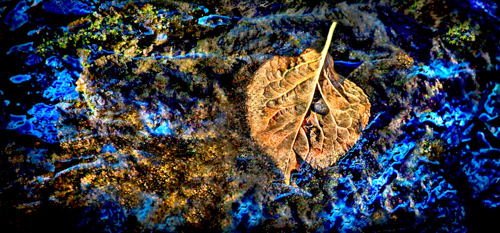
column 18, row 16
column 214, row 20
column 139, row 122
column 20, row 78
column 67, row 7
column 22, row 48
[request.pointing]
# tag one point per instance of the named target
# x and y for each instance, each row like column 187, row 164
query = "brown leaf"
column 300, row 109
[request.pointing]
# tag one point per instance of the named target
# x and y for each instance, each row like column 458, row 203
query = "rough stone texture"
column 18, row 16
column 147, row 131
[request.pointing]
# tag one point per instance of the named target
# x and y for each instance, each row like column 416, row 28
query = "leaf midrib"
column 324, row 53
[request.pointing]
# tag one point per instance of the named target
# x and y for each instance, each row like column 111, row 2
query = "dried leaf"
column 300, row 109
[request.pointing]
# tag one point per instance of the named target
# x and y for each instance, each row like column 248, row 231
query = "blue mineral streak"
column 150, row 205
column 63, row 87
column 172, row 13
column 42, row 124
column 18, row 16
column 443, row 70
column 489, row 7
column 248, row 214
column 108, row 148
column 349, row 64
column 162, row 37
column 22, row 48
column 214, row 20
column 33, row 59
column 491, row 104
column 154, row 122
column 66, row 7
column 73, row 63
column 191, row 55
column 53, row 62
column 204, row 9
column 148, row 31
column 20, row 78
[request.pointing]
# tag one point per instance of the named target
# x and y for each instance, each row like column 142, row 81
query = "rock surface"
column 133, row 118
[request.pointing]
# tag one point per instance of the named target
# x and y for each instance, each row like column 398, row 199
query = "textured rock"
column 149, row 132
column 66, row 7
column 18, row 16
column 20, row 78
column 22, row 48
column 215, row 20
